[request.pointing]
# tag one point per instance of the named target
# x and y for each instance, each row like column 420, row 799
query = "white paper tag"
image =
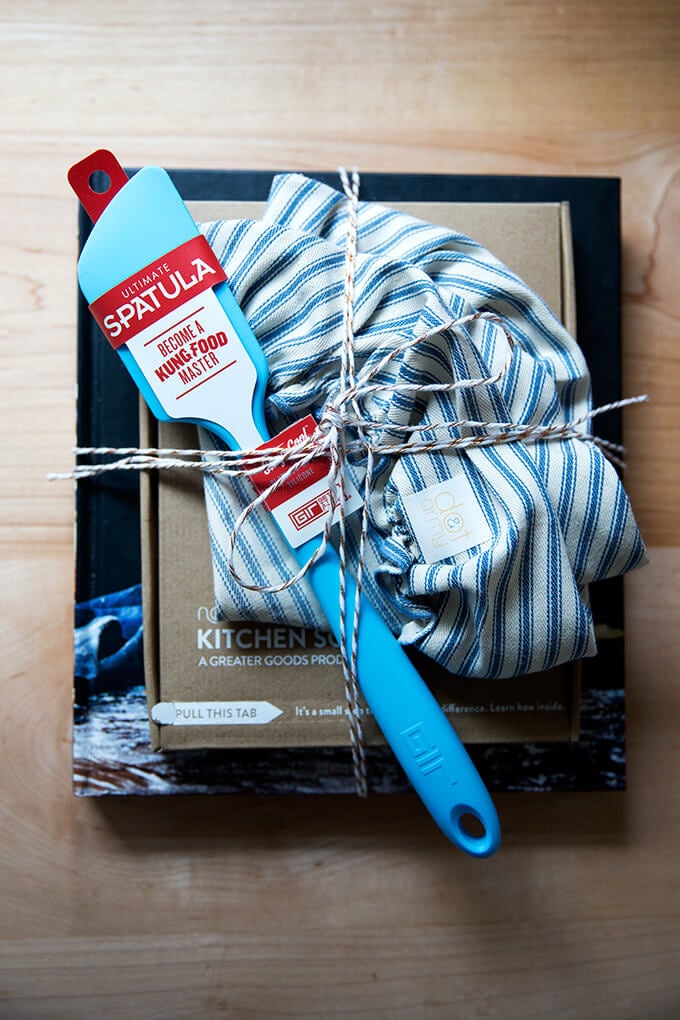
column 303, row 517
column 193, row 357
column 447, row 519
column 214, row 713
column 182, row 353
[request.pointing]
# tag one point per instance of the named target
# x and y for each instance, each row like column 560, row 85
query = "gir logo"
column 314, row 508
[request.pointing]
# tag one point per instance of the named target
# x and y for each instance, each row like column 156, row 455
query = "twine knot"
column 332, row 418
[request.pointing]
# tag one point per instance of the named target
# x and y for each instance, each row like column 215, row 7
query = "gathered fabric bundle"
column 555, row 514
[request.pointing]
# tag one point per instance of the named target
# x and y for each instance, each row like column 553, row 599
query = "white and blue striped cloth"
column 557, row 512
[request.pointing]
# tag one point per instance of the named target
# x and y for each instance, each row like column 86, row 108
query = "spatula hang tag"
column 301, row 502
column 161, row 297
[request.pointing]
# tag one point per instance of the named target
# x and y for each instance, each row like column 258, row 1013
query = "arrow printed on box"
column 214, row 713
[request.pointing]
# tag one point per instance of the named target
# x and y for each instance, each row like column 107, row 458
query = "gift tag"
column 447, row 519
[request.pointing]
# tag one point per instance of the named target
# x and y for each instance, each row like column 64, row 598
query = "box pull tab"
column 95, row 180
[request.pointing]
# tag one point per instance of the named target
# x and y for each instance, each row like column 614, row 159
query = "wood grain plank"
column 255, row 907
column 472, row 970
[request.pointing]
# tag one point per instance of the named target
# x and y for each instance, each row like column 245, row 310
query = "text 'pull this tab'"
column 214, row 713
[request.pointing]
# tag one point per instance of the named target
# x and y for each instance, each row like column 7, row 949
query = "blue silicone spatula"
column 157, row 292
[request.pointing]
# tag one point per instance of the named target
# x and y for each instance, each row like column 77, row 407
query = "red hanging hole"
column 96, row 180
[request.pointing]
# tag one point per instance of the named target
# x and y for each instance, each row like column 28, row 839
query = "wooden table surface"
column 245, row 907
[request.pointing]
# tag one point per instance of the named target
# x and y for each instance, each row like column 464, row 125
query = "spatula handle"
column 411, row 720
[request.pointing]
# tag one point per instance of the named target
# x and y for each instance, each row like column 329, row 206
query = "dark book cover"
column 112, row 753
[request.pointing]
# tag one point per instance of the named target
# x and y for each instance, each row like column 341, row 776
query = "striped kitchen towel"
column 528, row 525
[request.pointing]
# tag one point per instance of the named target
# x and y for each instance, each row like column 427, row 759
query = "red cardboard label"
column 301, row 479
column 157, row 290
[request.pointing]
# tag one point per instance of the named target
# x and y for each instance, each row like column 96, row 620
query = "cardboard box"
column 190, row 656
